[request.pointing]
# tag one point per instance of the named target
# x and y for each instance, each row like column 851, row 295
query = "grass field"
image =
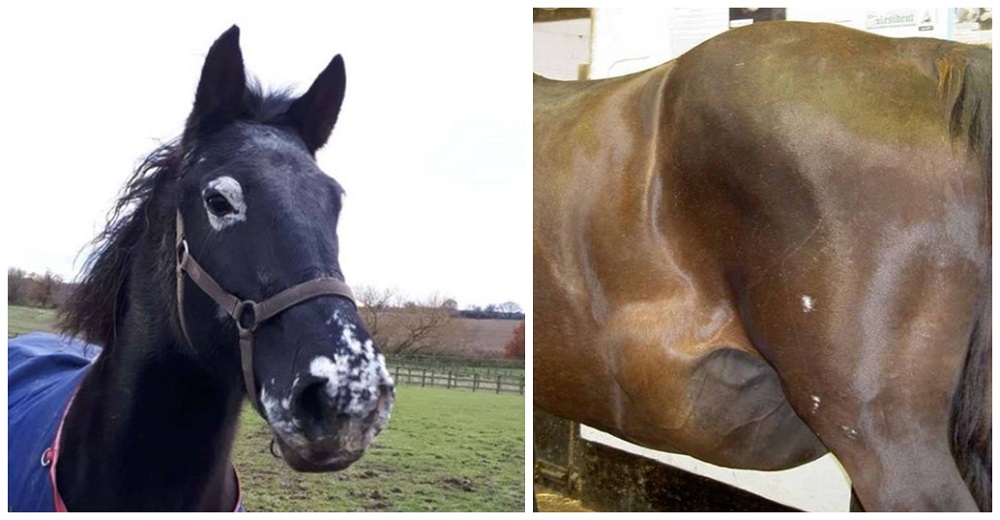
column 27, row 319
column 444, row 450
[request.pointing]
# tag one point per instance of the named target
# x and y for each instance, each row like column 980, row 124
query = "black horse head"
column 261, row 217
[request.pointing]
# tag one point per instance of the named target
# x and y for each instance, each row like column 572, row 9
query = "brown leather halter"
column 247, row 314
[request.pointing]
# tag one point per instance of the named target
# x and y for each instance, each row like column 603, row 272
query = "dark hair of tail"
column 971, row 420
column 965, row 83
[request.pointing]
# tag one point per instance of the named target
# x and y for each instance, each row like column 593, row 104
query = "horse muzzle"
column 325, row 429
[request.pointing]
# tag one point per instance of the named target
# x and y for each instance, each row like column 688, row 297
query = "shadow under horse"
column 775, row 246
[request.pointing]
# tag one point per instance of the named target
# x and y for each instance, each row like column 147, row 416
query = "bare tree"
column 45, row 290
column 17, row 281
column 400, row 325
column 509, row 308
column 422, row 326
column 373, row 305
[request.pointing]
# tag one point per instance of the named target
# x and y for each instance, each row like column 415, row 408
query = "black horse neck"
column 152, row 426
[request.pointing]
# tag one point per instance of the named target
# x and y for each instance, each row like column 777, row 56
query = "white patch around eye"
column 807, row 303
column 229, row 188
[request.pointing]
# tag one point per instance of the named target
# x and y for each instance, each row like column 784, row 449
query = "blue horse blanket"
column 43, row 371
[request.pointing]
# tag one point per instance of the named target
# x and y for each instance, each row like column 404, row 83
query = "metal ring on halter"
column 241, row 310
column 273, row 454
column 46, row 457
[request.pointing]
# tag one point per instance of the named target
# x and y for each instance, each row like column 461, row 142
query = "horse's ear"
column 315, row 113
column 222, row 88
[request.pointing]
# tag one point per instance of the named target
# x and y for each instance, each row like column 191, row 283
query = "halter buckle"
column 245, row 315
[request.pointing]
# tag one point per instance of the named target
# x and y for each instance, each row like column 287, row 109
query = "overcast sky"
column 432, row 142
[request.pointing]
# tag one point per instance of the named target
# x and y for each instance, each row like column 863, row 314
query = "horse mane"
column 97, row 304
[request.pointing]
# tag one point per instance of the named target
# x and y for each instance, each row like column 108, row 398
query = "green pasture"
column 27, row 319
column 444, row 450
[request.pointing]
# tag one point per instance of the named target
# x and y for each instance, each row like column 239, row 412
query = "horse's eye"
column 218, row 204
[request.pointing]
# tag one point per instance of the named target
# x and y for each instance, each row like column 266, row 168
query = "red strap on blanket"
column 51, row 456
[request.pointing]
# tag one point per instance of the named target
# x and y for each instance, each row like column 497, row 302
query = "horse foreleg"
column 856, row 506
column 875, row 381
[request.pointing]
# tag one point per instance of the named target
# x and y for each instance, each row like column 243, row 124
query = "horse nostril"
column 386, row 395
column 312, row 400
column 386, row 392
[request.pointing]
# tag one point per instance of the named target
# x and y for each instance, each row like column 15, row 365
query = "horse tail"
column 965, row 83
column 971, row 419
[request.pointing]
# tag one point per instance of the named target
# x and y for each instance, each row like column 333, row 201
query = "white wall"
column 820, row 485
column 561, row 47
column 631, row 40
column 865, row 20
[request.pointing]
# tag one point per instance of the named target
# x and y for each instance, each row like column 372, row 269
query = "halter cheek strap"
column 247, row 314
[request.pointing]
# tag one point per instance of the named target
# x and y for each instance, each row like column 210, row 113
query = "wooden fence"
column 451, row 379
column 459, row 365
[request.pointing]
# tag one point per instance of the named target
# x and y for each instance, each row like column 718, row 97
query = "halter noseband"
column 247, row 314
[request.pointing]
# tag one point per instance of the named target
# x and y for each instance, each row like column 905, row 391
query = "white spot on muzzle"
column 816, row 400
column 281, row 421
column 233, row 192
column 368, row 373
column 807, row 303
column 269, row 403
column 352, row 342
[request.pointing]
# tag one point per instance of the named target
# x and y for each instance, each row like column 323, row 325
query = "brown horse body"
column 775, row 246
